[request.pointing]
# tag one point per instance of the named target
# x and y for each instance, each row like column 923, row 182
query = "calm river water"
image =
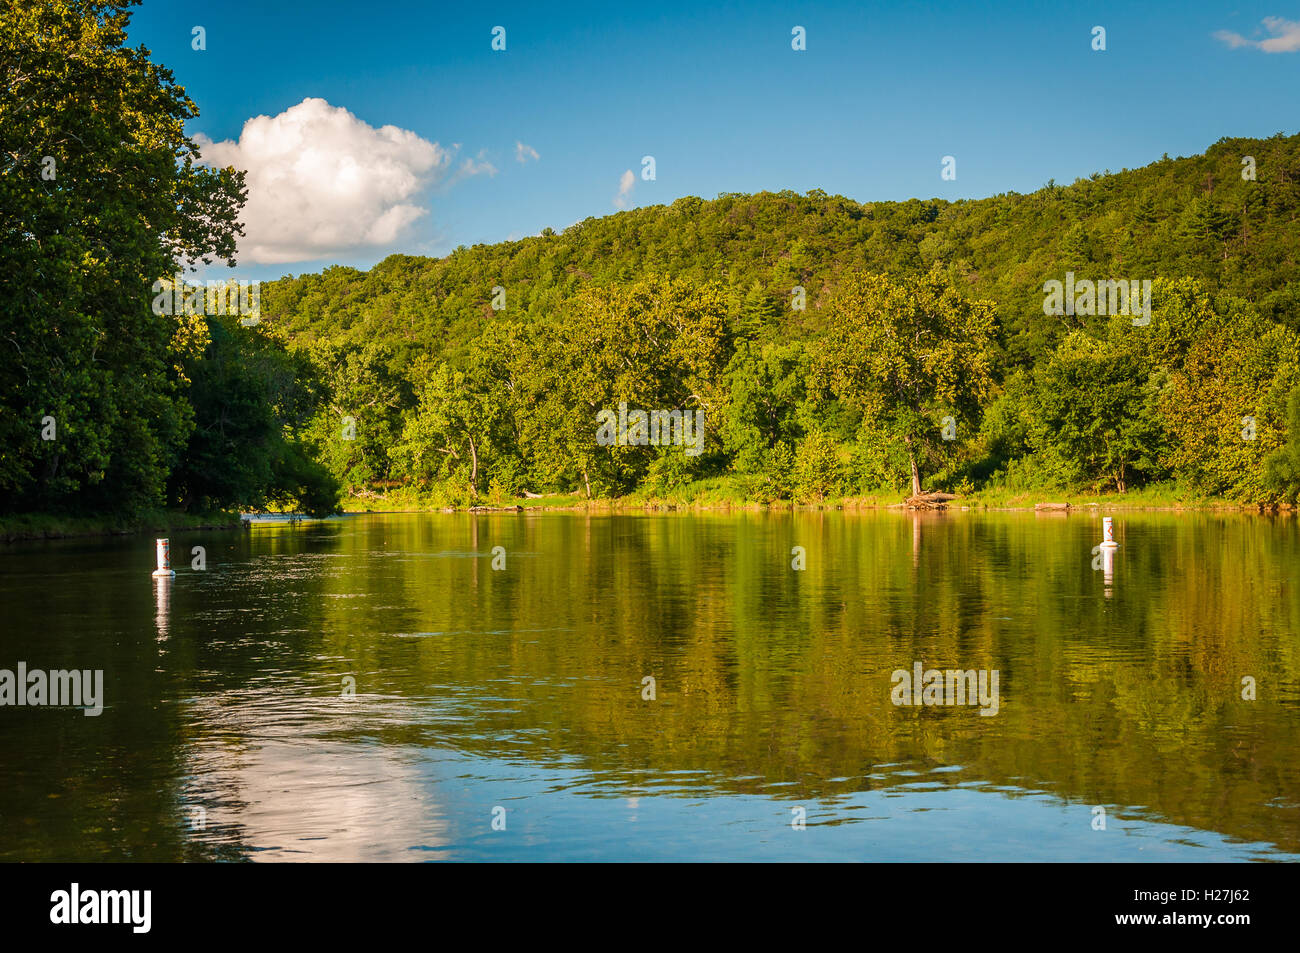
column 371, row 688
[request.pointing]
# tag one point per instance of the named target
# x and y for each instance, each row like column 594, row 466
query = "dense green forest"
column 695, row 305
column 833, row 348
column 107, row 407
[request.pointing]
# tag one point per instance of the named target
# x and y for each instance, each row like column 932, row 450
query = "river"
column 662, row 687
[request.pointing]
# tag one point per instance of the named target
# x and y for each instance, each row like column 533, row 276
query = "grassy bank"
column 709, row 495
column 59, row 526
column 723, row 493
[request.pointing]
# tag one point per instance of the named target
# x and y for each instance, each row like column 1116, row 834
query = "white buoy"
column 1108, row 533
column 164, row 570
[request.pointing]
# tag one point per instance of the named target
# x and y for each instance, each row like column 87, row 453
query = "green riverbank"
column 724, row 494
column 694, row 498
column 59, row 526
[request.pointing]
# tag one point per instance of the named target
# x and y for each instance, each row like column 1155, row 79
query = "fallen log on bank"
column 929, row 501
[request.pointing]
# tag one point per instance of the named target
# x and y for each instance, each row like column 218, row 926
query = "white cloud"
column 322, row 182
column 1284, row 37
column 625, row 183
column 523, row 153
column 479, row 166
column 1233, row 40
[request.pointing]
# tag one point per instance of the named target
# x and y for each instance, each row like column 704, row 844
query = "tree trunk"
column 473, row 474
column 916, row 475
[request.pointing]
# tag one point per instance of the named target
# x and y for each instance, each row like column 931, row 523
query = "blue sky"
column 1016, row 94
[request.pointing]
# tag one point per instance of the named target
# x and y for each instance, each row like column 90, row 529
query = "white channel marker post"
column 1108, row 533
column 164, row 570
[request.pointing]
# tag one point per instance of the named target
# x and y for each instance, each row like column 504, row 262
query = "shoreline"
column 44, row 526
column 669, row 506
column 29, row 527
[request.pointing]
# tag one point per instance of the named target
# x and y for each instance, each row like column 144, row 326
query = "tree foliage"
column 104, row 403
column 833, row 347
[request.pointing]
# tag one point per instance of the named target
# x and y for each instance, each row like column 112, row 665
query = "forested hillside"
column 697, row 305
column 758, row 347
column 1193, row 217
